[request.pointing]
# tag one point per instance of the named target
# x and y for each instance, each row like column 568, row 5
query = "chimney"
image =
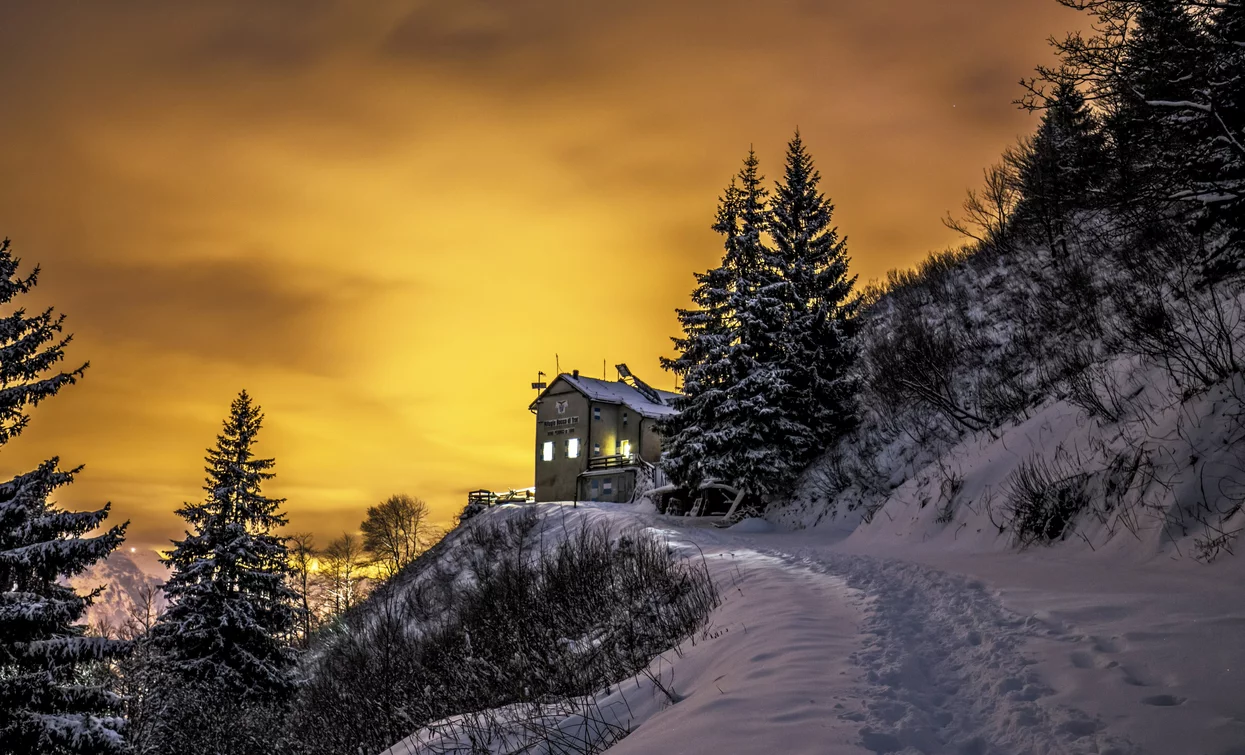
column 574, row 373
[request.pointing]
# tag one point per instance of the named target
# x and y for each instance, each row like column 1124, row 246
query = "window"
column 596, row 413
column 596, row 449
column 624, row 447
column 547, row 451
column 624, row 419
column 572, row 448
column 607, row 486
column 595, row 488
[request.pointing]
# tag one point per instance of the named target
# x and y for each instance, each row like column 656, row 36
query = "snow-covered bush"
column 1115, row 326
column 1042, row 500
column 513, row 624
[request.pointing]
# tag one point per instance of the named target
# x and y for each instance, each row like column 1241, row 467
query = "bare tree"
column 343, row 564
column 303, row 565
column 397, row 531
column 987, row 217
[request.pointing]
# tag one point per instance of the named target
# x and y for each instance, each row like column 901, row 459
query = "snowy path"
column 824, row 647
column 775, row 676
column 1010, row 654
column 938, row 664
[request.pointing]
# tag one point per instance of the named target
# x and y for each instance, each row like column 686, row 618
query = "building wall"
column 555, row 480
column 602, row 430
column 617, row 486
column 616, row 425
column 650, row 443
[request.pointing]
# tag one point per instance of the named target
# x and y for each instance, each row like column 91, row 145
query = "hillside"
column 828, row 645
column 1020, row 399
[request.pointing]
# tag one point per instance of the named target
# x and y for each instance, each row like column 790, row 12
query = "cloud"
column 244, row 311
column 382, row 218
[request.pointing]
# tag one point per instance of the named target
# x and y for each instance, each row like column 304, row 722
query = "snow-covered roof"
column 619, row 392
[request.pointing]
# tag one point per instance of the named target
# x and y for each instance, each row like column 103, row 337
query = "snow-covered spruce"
column 766, row 354
column 45, row 706
column 223, row 639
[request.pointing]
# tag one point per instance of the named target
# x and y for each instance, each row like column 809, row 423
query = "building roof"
column 619, row 392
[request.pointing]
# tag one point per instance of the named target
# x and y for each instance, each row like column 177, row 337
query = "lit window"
column 572, row 448
column 596, row 413
column 596, row 449
column 624, row 448
column 547, row 451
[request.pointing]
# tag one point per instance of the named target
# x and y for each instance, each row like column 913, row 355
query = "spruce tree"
column 1163, row 61
column 755, row 441
column 230, row 607
column 816, row 289
column 1062, row 168
column 1223, row 187
column 45, row 704
column 701, row 363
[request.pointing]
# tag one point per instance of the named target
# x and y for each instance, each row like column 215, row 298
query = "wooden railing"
column 489, row 497
column 612, row 462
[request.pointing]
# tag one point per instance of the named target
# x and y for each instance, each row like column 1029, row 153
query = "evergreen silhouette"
column 230, row 608
column 46, row 706
column 820, row 329
column 703, row 349
column 753, row 437
column 1062, row 168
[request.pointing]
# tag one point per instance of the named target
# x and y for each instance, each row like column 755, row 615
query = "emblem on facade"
column 561, row 407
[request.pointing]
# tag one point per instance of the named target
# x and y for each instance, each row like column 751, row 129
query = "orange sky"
column 383, row 218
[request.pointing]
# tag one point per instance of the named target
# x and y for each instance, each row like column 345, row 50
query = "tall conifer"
column 819, row 331
column 231, row 610
column 1163, row 60
column 701, row 365
column 755, row 440
column 45, row 706
column 1061, row 169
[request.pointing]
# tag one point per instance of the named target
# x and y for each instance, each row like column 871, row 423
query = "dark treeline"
column 1112, row 233
column 218, row 670
column 1115, row 229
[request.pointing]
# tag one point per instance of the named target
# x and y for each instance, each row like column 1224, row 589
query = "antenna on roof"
column 557, row 363
column 539, row 385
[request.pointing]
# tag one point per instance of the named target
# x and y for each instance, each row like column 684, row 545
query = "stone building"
column 596, row 439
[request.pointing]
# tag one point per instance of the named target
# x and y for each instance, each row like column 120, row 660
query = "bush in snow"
column 521, row 625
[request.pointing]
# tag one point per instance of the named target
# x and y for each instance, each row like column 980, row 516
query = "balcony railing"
column 612, row 462
column 492, row 497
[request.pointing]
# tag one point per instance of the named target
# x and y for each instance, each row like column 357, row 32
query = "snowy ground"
column 826, row 646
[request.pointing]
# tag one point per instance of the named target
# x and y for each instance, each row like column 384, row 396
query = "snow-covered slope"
column 832, row 645
column 1024, row 400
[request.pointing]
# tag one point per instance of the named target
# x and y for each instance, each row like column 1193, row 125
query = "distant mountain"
column 123, row 575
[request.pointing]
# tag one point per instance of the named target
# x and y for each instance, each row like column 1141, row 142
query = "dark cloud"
column 232, row 310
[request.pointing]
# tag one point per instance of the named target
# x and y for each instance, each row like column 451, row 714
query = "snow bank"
column 751, row 525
